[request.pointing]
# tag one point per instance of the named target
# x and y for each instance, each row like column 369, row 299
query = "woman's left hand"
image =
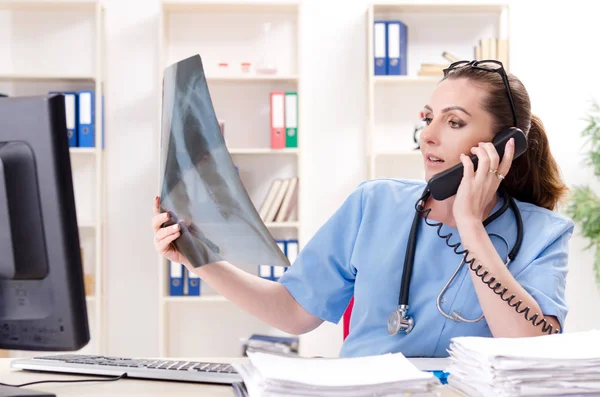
column 478, row 188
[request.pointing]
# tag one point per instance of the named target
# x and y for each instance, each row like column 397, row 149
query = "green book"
column 291, row 119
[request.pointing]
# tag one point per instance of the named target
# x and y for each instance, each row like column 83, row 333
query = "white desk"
column 125, row 387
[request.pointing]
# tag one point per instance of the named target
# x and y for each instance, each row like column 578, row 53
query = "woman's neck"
column 441, row 211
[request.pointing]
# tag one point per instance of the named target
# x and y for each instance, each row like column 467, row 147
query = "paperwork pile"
column 272, row 375
column 550, row 365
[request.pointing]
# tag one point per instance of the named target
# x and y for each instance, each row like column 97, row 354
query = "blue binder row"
column 390, row 42
column 290, row 249
column 80, row 111
column 182, row 282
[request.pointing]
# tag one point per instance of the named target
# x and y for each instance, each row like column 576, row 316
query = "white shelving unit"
column 394, row 101
column 54, row 45
column 209, row 325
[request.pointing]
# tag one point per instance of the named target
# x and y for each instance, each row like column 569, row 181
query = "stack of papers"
column 270, row 375
column 550, row 365
column 281, row 345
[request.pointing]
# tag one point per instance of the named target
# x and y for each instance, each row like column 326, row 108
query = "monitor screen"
column 42, row 297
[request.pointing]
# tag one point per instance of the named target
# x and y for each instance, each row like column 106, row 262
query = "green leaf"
column 597, row 262
column 584, row 204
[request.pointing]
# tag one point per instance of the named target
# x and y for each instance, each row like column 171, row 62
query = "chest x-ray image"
column 200, row 187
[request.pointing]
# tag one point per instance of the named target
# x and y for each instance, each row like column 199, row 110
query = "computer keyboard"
column 157, row 369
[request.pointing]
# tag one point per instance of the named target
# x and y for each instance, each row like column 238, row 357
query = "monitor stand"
column 9, row 391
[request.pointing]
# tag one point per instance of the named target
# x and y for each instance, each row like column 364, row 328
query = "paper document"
column 389, row 374
column 551, row 365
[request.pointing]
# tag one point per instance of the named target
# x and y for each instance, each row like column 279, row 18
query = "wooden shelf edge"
column 404, row 79
column 282, row 224
column 83, row 150
column 251, row 78
column 427, row 6
column 194, row 299
column 255, row 151
column 53, row 5
column 227, row 6
column 45, row 77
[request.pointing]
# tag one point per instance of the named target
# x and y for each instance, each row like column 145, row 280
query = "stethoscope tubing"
column 411, row 245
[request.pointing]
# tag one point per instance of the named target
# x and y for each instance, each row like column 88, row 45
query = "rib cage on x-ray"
column 200, row 186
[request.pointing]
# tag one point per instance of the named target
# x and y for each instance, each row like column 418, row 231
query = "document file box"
column 85, row 132
column 176, row 279
column 282, row 246
column 380, row 47
column 277, row 120
column 71, row 114
column 265, row 271
column 397, row 48
column 279, row 270
column 193, row 284
column 292, row 250
column 291, row 119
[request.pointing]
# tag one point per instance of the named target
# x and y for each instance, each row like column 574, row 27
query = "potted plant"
column 584, row 204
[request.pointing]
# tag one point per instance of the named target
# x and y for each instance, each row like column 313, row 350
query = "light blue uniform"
column 360, row 251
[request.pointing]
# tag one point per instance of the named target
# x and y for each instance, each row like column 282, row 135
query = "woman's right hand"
column 164, row 236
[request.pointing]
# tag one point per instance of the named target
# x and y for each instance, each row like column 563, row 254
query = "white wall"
column 556, row 66
column 132, row 170
column 552, row 54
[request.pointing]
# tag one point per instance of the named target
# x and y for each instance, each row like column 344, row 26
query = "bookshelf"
column 59, row 46
column 395, row 101
column 210, row 325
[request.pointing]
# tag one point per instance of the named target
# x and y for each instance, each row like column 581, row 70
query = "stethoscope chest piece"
column 399, row 321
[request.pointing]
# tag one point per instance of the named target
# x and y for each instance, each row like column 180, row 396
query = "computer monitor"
column 42, row 295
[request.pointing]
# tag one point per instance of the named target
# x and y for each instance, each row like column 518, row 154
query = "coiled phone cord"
column 497, row 287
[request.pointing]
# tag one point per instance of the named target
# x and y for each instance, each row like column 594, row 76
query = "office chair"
column 347, row 315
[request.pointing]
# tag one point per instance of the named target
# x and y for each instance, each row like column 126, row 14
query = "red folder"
column 277, row 120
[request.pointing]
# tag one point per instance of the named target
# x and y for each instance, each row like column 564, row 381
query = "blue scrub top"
column 360, row 251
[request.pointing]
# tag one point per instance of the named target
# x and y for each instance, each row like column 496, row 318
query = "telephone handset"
column 445, row 184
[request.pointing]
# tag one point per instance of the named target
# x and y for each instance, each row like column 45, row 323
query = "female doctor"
column 360, row 251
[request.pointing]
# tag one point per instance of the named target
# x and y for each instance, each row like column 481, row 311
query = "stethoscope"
column 399, row 320
column 456, row 316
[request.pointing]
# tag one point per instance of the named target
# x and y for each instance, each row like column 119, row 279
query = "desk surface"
column 122, row 387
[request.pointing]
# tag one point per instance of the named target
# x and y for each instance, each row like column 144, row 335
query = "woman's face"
column 456, row 122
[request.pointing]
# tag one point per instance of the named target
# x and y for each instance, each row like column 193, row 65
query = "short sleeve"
column 321, row 279
column 545, row 277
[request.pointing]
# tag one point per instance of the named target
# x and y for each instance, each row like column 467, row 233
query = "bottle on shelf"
column 266, row 63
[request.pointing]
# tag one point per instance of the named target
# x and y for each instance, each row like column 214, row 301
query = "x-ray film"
column 201, row 189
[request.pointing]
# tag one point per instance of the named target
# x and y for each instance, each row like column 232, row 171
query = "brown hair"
column 534, row 177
